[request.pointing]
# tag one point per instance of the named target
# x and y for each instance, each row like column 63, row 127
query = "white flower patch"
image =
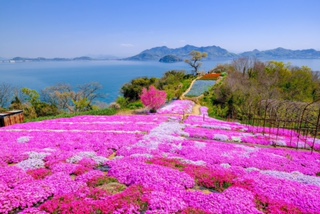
column 197, row 163
column 49, row 149
column 293, row 176
column 247, row 135
column 144, row 123
column 220, row 127
column 236, row 139
column 302, row 144
column 75, row 159
column 100, row 160
column 38, row 155
column 167, row 132
column 225, row 154
column 252, row 169
column 118, row 157
column 92, row 155
column 30, row 164
column 199, row 145
column 24, row 139
column 243, row 129
column 225, row 165
column 177, row 147
column 279, row 142
column 149, row 156
column 87, row 154
column 220, row 137
column 247, row 150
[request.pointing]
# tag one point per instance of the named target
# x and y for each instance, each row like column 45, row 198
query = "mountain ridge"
column 216, row 52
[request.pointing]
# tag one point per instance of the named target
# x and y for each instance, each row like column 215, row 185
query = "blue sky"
column 70, row 28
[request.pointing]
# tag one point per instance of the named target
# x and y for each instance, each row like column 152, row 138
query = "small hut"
column 11, row 117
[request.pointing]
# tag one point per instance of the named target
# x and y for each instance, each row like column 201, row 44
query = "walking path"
column 196, row 108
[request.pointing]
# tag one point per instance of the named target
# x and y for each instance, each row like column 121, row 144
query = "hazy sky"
column 70, row 28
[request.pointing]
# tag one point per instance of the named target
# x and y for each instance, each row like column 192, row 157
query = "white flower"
column 24, row 139
column 280, row 143
column 225, row 165
column 38, row 155
column 31, row 164
column 293, row 176
column 220, row 137
column 199, row 145
column 236, row 139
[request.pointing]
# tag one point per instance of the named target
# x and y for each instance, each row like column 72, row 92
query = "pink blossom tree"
column 153, row 98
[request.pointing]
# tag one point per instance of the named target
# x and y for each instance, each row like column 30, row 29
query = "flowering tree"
column 153, row 98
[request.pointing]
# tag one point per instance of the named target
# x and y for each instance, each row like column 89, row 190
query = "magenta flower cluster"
column 155, row 164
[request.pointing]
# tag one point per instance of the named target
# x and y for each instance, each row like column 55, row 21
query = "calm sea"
column 112, row 74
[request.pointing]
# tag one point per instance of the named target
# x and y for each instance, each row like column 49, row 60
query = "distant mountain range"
column 41, row 59
column 177, row 54
column 216, row 52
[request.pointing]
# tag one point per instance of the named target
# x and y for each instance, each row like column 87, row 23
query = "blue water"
column 112, row 74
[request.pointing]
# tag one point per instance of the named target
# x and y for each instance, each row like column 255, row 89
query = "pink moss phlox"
column 150, row 176
column 14, row 176
column 39, row 174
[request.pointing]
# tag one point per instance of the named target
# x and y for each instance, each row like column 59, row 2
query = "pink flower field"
column 159, row 163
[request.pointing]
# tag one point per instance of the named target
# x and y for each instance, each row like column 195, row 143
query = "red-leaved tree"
column 153, row 98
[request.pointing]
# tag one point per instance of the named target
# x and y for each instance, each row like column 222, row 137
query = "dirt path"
column 182, row 97
column 196, row 108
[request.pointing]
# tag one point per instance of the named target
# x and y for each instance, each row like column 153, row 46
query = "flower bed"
column 210, row 77
column 151, row 164
column 199, row 87
column 236, row 132
column 177, row 107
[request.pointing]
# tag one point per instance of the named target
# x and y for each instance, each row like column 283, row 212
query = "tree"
column 195, row 61
column 66, row 99
column 6, row 94
column 153, row 98
column 132, row 91
column 243, row 64
column 37, row 108
column 60, row 95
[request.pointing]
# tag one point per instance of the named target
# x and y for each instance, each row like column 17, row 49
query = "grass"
column 107, row 111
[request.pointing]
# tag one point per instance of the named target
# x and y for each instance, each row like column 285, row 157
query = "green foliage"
column 174, row 83
column 82, row 105
column 33, row 108
column 107, row 111
column 241, row 91
column 133, row 90
column 135, row 105
column 123, row 102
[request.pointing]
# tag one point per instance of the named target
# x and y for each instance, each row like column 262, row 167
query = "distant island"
column 165, row 54
column 57, row 59
column 170, row 59
column 41, row 59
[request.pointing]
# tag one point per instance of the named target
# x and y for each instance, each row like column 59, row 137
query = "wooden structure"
column 11, row 117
